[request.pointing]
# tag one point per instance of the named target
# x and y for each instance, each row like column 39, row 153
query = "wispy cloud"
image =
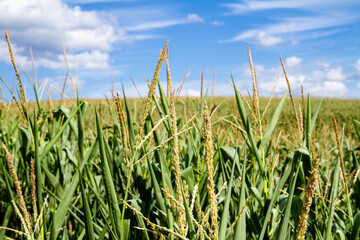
column 251, row 6
column 191, row 18
column 217, row 23
column 321, row 16
column 261, row 37
column 293, row 61
column 190, row 93
column 308, row 23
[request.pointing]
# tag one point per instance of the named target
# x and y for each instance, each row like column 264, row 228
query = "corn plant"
column 169, row 174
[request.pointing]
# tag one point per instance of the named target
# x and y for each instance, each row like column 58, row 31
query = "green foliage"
column 86, row 174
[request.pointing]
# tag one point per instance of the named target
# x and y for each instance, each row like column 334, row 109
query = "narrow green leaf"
column 356, row 127
column 6, row 220
column 58, row 134
column 355, row 234
column 114, row 209
column 88, row 216
column 189, row 215
column 240, row 228
column 129, row 121
column 314, row 117
column 276, row 193
column 248, row 130
column 285, row 220
column 333, row 194
column 225, row 214
column 273, row 122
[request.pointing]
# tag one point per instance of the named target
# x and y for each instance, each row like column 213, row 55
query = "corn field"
column 66, row 175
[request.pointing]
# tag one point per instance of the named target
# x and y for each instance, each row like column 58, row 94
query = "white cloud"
column 293, row 61
column 244, row 35
column 260, row 70
column 266, row 40
column 336, row 74
column 21, row 60
column 336, row 88
column 266, row 78
column 322, row 16
column 43, row 25
column 194, row 18
column 191, row 18
column 85, row 60
column 89, row 36
column 300, row 24
column 329, row 89
column 242, row 8
column 261, row 37
column 294, row 25
column 311, row 35
column 332, row 73
column 190, row 93
column 320, row 80
column 217, row 23
column 250, row 6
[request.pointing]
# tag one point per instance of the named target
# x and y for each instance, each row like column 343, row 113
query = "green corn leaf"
column 273, row 122
column 129, row 121
column 6, row 219
column 88, row 216
column 333, row 194
column 248, row 130
column 58, row 134
column 114, row 209
column 355, row 234
column 240, row 228
column 356, row 127
column 282, row 233
column 192, row 232
column 279, row 186
column 225, row 214
column 314, row 117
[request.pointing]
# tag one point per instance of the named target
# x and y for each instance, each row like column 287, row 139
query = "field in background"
column 342, row 109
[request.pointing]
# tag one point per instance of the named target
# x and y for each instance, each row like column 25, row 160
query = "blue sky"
column 319, row 42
